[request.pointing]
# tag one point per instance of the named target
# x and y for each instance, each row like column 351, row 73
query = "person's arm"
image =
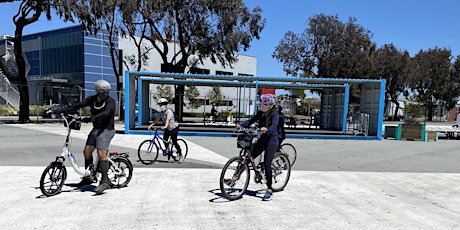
column 79, row 105
column 251, row 121
column 274, row 125
column 169, row 114
column 156, row 120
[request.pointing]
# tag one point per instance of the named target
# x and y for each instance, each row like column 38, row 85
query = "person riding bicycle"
column 102, row 116
column 171, row 126
column 267, row 120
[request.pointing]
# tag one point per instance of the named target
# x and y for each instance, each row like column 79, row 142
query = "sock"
column 104, row 166
column 88, row 162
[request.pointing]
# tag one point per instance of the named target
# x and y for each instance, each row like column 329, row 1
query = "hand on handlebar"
column 263, row 129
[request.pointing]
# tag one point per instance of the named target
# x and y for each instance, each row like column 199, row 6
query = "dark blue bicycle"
column 149, row 150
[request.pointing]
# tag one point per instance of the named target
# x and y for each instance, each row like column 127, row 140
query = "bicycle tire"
column 291, row 152
column 281, row 171
column 52, row 179
column 119, row 179
column 234, row 184
column 183, row 147
column 145, row 156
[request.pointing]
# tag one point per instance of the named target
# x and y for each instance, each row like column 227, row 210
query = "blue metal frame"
column 248, row 81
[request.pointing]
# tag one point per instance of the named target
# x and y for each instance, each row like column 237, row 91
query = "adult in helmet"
column 267, row 120
column 102, row 116
column 170, row 127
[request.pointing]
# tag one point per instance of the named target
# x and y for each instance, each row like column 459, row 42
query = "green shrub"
column 7, row 110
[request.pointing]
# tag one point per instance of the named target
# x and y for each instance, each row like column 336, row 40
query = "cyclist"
column 267, row 120
column 171, row 126
column 102, row 116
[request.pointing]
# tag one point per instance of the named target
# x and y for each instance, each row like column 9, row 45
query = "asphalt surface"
column 335, row 184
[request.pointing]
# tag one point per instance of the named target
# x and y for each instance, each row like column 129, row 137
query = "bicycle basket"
column 244, row 141
column 74, row 124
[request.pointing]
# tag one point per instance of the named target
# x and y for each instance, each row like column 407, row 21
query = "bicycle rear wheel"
column 52, row 179
column 147, row 152
column 120, row 173
column 183, row 147
column 234, row 179
column 281, row 169
column 290, row 152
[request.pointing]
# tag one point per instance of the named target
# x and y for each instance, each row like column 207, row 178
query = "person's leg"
column 174, row 134
column 269, row 154
column 166, row 135
column 88, row 155
column 102, row 145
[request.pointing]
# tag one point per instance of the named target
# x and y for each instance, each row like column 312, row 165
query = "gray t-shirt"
column 172, row 120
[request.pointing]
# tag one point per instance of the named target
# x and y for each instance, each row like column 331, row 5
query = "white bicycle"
column 55, row 174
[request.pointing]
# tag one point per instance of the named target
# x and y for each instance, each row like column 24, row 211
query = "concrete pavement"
column 335, row 184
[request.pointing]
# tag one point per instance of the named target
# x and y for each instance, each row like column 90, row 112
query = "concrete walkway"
column 349, row 185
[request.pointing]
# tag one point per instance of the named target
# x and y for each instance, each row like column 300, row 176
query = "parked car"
column 52, row 111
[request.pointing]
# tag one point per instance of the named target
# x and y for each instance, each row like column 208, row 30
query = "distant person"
column 281, row 131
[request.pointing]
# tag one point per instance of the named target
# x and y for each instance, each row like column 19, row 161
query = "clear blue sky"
column 411, row 25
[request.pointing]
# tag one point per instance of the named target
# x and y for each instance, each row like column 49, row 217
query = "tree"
column 391, row 64
column 164, row 91
column 430, row 72
column 215, row 96
column 327, row 48
column 29, row 12
column 191, row 94
column 198, row 30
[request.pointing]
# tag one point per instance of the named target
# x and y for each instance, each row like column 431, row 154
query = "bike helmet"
column 267, row 98
column 102, row 85
column 162, row 101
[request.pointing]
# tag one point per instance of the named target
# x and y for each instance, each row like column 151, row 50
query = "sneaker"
column 268, row 196
column 229, row 182
column 181, row 159
column 84, row 181
column 101, row 188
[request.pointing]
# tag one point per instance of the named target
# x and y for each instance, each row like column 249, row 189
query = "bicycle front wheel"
column 52, row 179
column 290, row 152
column 234, row 179
column 147, row 152
column 281, row 171
column 120, row 172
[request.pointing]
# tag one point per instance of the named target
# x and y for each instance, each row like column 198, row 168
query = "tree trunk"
column 21, row 79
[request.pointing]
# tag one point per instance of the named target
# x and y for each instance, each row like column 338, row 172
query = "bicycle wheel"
column 234, row 179
column 147, row 152
column 120, row 172
column 290, row 152
column 52, row 179
column 281, row 169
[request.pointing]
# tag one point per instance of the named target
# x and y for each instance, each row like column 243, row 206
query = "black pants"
column 269, row 153
column 173, row 133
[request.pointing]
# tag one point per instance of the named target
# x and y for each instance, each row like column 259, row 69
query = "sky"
column 411, row 25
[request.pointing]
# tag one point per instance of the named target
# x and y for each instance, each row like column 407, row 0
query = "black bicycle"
column 235, row 176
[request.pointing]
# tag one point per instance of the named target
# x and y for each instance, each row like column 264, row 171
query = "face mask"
column 103, row 96
column 162, row 108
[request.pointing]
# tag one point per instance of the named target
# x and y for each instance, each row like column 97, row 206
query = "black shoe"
column 101, row 188
column 84, row 181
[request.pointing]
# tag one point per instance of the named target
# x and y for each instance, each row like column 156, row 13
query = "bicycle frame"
column 73, row 161
column 159, row 142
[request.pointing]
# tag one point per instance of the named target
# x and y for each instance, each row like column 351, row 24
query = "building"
column 65, row 63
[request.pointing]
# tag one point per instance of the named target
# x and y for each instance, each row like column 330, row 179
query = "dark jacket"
column 269, row 137
column 102, row 113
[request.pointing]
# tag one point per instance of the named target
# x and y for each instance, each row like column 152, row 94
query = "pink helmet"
column 267, row 98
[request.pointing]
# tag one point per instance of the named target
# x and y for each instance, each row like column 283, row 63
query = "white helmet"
column 162, row 101
column 102, row 85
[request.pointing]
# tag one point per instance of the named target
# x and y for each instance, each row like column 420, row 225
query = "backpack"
column 281, row 131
